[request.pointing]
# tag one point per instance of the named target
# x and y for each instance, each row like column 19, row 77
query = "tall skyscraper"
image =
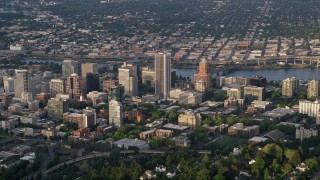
column 313, row 89
column 290, row 86
column 8, row 84
column 21, row 82
column 115, row 113
column 162, row 63
column 202, row 80
column 128, row 77
column 73, row 87
column 69, row 67
column 85, row 69
column 57, row 86
column 92, row 82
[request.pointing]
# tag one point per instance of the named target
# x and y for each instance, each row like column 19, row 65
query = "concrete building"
column 258, row 81
column 49, row 132
column 92, row 83
column 239, row 129
column 310, row 108
column 115, row 113
column 222, row 80
column 91, row 68
column 236, row 92
column 148, row 76
column 189, row 118
column 127, row 143
column 56, row 107
column 260, row 106
column 128, row 77
column 85, row 120
column 313, row 89
column 8, row 84
column 232, row 102
column 116, row 93
column 182, row 141
column 252, row 93
column 97, row 97
column 21, row 82
column 108, row 84
column 57, row 86
column 192, row 98
column 290, row 87
column 163, row 133
column 74, row 86
column 202, row 80
column 69, row 67
column 162, row 63
column 186, row 97
column 302, row 133
column 318, row 118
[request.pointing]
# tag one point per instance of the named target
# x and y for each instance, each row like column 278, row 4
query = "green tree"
column 312, row 164
column 218, row 120
column 203, row 174
column 219, row 177
column 258, row 166
column 266, row 174
column 293, row 156
column 173, row 116
column 287, row 168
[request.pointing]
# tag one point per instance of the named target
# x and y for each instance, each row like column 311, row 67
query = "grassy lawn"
column 228, row 141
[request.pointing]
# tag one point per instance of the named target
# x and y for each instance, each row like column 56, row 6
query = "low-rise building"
column 190, row 118
column 278, row 113
column 239, row 129
column 128, row 143
column 182, row 141
column 155, row 133
column 302, row 133
column 49, row 132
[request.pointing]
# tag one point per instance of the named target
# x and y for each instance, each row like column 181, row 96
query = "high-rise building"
column 73, row 87
column 57, row 86
column 8, row 84
column 202, row 80
column 97, row 97
column 252, row 93
column 147, row 76
column 313, row 89
column 222, row 80
column 290, row 86
column 21, row 82
column 115, row 113
column 189, row 118
column 128, row 77
column 69, row 67
column 92, row 82
column 258, row 81
column 310, row 108
column 236, row 92
column 116, row 93
column 107, row 84
column 34, row 83
column 56, row 107
column 91, row 68
column 162, row 63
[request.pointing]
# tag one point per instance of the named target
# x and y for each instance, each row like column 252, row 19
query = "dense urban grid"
column 92, row 89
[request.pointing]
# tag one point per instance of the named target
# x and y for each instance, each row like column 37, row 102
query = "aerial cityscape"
column 159, row 89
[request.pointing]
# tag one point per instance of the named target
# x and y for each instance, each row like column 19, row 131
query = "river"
column 271, row 74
